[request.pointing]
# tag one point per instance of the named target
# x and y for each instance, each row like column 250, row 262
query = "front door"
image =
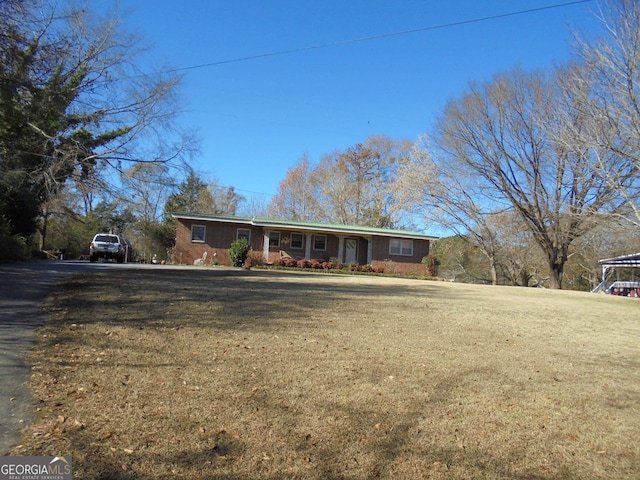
column 351, row 250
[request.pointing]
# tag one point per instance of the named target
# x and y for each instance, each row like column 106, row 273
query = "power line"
column 365, row 39
column 376, row 37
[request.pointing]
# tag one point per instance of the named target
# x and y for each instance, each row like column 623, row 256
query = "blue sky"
column 257, row 117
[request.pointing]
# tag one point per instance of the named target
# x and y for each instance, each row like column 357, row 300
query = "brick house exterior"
column 207, row 238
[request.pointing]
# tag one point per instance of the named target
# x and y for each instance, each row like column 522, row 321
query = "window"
column 398, row 246
column 297, row 241
column 274, row 239
column 198, row 233
column 319, row 242
column 107, row 239
column 243, row 233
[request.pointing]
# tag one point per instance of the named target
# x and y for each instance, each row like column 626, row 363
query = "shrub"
column 255, row 259
column 316, row 264
column 354, row 267
column 389, row 266
column 327, row 265
column 366, row 268
column 12, row 247
column 432, row 262
column 239, row 251
column 289, row 262
column 304, row 263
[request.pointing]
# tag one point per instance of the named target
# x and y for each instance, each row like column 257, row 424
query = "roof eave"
column 348, row 231
column 265, row 223
column 634, row 257
column 204, row 218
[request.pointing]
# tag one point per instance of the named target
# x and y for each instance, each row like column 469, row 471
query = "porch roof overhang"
column 632, row 260
column 306, row 226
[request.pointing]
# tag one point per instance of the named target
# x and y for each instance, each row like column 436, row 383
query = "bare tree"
column 221, row 200
column 609, row 85
column 448, row 194
column 297, row 197
column 442, row 191
column 358, row 186
column 513, row 135
column 147, row 187
column 520, row 260
column 72, row 100
column 255, row 206
column 461, row 260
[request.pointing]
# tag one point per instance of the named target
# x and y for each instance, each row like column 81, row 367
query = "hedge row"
column 327, row 265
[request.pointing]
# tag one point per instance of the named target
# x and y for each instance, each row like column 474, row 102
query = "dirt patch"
column 205, row 374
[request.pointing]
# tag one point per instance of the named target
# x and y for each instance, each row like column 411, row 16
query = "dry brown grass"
column 212, row 374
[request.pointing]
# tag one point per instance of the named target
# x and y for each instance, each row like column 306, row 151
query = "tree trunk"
column 524, row 277
column 43, row 229
column 556, row 270
column 494, row 271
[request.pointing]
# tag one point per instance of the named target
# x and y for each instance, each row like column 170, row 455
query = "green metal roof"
column 316, row 227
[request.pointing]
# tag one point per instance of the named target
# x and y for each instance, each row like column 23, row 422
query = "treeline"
column 528, row 169
column 75, row 109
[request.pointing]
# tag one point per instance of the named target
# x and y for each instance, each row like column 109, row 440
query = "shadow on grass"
column 219, row 459
column 238, row 298
column 233, row 300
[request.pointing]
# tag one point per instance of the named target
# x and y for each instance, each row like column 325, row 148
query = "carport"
column 612, row 283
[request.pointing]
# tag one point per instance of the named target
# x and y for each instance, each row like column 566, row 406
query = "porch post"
column 265, row 246
column 369, row 250
column 341, row 248
column 307, row 253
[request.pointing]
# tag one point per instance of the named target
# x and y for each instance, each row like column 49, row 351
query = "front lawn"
column 212, row 374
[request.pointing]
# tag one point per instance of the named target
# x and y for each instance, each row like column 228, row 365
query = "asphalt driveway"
column 23, row 287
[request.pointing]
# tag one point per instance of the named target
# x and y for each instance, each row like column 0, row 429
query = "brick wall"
column 300, row 253
column 400, row 263
column 218, row 239
column 219, row 236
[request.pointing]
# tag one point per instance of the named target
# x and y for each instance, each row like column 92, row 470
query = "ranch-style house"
column 205, row 239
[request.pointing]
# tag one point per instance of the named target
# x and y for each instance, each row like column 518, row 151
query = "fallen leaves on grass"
column 231, row 384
